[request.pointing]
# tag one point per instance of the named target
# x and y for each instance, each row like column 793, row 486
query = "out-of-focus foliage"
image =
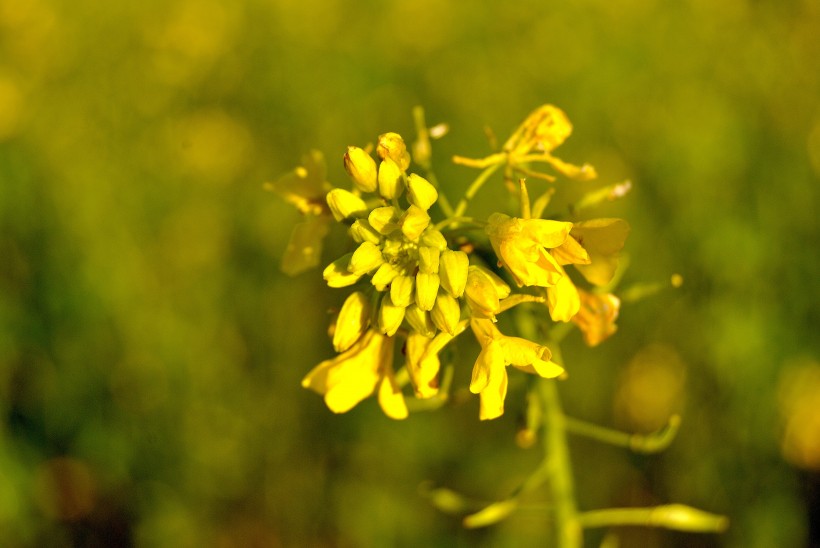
column 151, row 352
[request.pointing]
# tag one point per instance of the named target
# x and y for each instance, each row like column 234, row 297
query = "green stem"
column 459, row 221
column 568, row 528
column 646, row 444
column 671, row 516
column 474, row 187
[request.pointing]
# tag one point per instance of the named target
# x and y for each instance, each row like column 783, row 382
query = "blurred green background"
column 151, row 352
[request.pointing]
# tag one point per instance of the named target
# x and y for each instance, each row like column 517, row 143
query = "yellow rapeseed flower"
column 365, row 368
column 522, row 247
column 490, row 369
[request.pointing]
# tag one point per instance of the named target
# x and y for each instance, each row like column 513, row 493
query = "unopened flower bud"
column 481, row 293
column 401, row 290
column 366, row 257
column 337, row 274
column 352, row 321
column 362, row 169
column 392, row 146
column 344, row 204
column 428, row 259
column 384, row 219
column 384, row 276
column 420, row 321
column 433, row 238
column 413, row 222
column 390, row 183
column 446, row 312
column 390, row 316
column 453, row 271
column 361, row 231
column 420, row 192
column 426, row 290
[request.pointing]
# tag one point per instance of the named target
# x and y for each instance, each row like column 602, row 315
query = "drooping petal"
column 543, row 368
column 563, row 300
column 391, row 399
column 519, row 351
column 490, row 360
column 492, row 397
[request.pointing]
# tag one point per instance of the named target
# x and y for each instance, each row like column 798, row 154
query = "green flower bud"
column 428, row 259
column 420, row 321
column 362, row 169
column 453, row 271
column 384, row 276
column 426, row 290
column 344, row 204
column 384, row 219
column 392, row 146
column 366, row 257
column 352, row 321
column 446, row 312
column 390, row 316
column 361, row 231
column 401, row 290
column 413, row 222
column 420, row 192
column 337, row 274
column 390, row 184
column 433, row 238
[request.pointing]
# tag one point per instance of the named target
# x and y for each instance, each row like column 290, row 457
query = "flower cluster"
column 414, row 280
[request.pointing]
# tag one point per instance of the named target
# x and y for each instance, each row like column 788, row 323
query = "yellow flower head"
column 544, row 130
column 353, row 375
column 522, row 247
column 490, row 369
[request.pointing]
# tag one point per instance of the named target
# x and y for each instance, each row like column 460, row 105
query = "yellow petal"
column 423, row 365
column 570, row 252
column 521, row 352
column 352, row 321
column 544, row 368
column 487, row 366
column 492, row 397
column 563, row 300
column 391, row 399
